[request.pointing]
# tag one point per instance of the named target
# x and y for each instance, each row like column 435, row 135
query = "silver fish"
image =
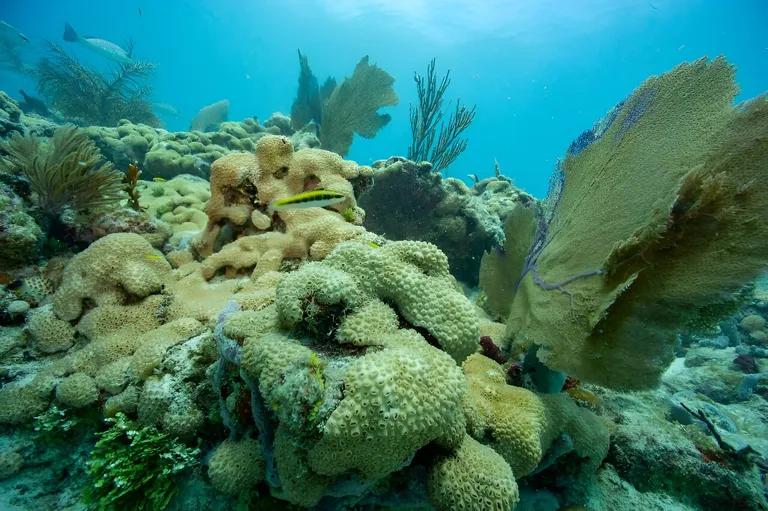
column 209, row 117
column 103, row 47
column 12, row 44
column 10, row 36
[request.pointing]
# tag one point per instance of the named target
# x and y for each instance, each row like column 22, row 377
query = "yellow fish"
column 317, row 198
column 159, row 179
column 151, row 256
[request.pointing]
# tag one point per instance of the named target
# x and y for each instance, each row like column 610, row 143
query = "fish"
column 317, row 198
column 159, row 179
column 12, row 43
column 103, row 47
column 209, row 117
column 10, row 36
column 165, row 109
column 151, row 256
column 32, row 105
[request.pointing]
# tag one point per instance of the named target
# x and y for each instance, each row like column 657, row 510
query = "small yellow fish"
column 373, row 244
column 317, row 198
column 159, row 179
column 151, row 256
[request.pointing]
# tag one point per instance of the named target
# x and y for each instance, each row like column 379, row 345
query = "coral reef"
column 409, row 201
column 253, row 346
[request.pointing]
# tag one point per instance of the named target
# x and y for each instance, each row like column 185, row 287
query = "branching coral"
column 91, row 98
column 66, row 173
column 427, row 123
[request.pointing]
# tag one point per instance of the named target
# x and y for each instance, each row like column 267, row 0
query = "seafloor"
column 420, row 344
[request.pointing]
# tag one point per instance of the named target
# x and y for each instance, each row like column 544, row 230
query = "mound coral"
column 236, row 466
column 113, row 270
column 521, row 425
column 410, row 201
column 242, row 187
column 617, row 266
column 472, row 478
column 162, row 154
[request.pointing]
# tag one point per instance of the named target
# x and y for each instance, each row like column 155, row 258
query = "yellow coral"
column 236, row 466
column 242, row 187
column 472, row 478
column 521, row 425
column 113, row 270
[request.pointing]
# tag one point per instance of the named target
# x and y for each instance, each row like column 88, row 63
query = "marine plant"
column 66, row 174
column 135, row 467
column 91, row 98
column 345, row 109
column 132, row 175
column 656, row 214
column 432, row 139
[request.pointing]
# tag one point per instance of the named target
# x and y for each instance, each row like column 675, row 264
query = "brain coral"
column 77, row 390
column 113, row 270
column 412, row 276
column 473, row 478
column 521, row 425
column 49, row 332
column 236, row 466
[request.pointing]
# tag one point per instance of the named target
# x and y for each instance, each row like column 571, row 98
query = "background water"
column 539, row 71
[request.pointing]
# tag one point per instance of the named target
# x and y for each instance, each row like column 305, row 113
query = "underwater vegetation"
column 91, row 98
column 67, row 177
column 135, row 467
column 341, row 110
column 290, row 328
column 432, row 138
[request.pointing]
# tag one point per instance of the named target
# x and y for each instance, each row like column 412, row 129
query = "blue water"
column 539, row 71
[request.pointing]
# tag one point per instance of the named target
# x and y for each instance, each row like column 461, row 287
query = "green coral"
column 133, row 467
